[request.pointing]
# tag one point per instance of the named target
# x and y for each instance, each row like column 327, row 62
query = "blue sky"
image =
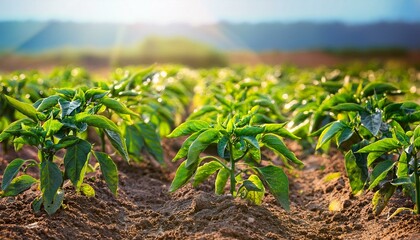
column 209, row 11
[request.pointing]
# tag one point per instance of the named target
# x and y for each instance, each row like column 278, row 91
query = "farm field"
column 169, row 152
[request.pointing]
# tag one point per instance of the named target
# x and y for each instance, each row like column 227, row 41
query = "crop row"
column 370, row 115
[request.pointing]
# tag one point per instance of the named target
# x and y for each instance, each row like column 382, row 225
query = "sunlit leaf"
column 205, row 171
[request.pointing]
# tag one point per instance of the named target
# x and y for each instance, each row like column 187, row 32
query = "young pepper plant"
column 373, row 135
column 55, row 125
column 238, row 157
column 390, row 174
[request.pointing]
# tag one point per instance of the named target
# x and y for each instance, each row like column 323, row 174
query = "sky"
column 197, row 12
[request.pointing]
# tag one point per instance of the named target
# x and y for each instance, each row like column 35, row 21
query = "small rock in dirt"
column 2, row 207
column 143, row 224
column 357, row 226
column 339, row 229
column 200, row 203
column 346, row 203
column 32, row 225
column 370, row 217
column 251, row 219
column 329, row 188
column 313, row 207
column 339, row 217
column 323, row 230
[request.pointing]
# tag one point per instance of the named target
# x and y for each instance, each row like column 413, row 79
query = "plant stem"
column 417, row 181
column 232, row 169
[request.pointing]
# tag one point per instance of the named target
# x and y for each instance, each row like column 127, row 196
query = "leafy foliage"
column 238, row 139
column 55, row 123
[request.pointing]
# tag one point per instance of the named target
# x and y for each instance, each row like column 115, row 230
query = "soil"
column 100, row 65
column 145, row 210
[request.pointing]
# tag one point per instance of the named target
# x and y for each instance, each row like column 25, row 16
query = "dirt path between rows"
column 145, row 210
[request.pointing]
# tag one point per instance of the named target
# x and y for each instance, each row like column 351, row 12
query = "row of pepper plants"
column 373, row 118
column 56, row 121
column 233, row 118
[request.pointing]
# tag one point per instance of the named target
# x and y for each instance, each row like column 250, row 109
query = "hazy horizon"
column 205, row 12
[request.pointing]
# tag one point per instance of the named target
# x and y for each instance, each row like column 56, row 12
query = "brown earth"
column 145, row 210
column 101, row 65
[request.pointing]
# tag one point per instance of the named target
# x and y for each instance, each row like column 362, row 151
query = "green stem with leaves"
column 232, row 169
column 417, row 182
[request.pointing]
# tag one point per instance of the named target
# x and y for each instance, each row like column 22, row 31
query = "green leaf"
column 75, row 162
column 36, row 204
column 51, row 179
column 417, row 143
column 259, row 118
column 67, row 107
column 222, row 100
column 348, row 107
column 109, row 171
column 98, row 121
column 118, row 142
column 372, row 122
column 329, row 133
column 47, row 103
column 182, row 175
column 399, row 210
column 381, row 198
column 221, row 180
column 379, row 172
column 416, row 133
column 319, row 131
column 278, row 184
column 188, row 128
column 355, row 174
column 253, row 189
column 117, row 106
column 402, row 181
column 273, row 127
column 52, row 207
column 87, row 190
column 134, row 141
column 203, row 110
column 66, row 92
column 66, row 142
column 18, row 185
column 402, row 167
column 373, row 156
column 383, row 145
column 252, row 141
column 378, row 88
column 183, row 151
column 95, row 94
column 199, row 145
column 400, row 135
column 152, row 141
column 25, row 108
column 275, row 143
column 11, row 171
column 15, row 126
column 52, row 126
column 344, row 135
column 249, row 131
column 279, row 129
column 205, row 171
column 221, row 146
column 250, row 186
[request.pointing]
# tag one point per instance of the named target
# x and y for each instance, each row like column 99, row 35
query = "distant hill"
column 34, row 37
